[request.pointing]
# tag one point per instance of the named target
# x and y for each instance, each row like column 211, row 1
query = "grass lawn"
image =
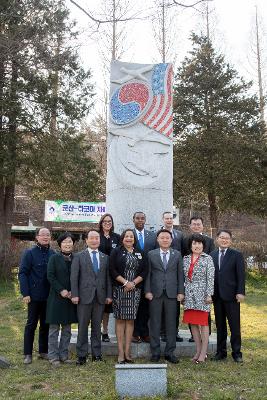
column 212, row 381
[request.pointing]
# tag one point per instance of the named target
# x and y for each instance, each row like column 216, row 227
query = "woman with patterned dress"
column 127, row 270
column 108, row 241
column 199, row 285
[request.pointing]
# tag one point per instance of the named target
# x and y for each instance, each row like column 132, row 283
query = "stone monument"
column 140, row 148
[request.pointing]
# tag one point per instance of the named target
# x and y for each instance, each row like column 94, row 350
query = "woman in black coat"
column 60, row 310
column 108, row 240
column 127, row 270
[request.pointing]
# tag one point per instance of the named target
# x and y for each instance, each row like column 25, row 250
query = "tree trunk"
column 213, row 209
column 7, row 183
column 6, row 214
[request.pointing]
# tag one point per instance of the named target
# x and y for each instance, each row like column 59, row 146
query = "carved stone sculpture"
column 140, row 148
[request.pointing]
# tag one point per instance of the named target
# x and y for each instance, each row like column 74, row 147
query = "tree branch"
column 177, row 3
column 103, row 21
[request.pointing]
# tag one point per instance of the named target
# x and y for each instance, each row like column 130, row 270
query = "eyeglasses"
column 44, row 235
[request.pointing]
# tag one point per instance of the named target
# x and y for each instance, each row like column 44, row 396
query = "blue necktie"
column 141, row 241
column 164, row 261
column 95, row 262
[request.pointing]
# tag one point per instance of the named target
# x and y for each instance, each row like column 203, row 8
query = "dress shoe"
column 27, row 359
column 145, row 339
column 219, row 357
column 238, row 359
column 105, row 338
column 172, row 359
column 55, row 362
column 191, row 340
column 81, row 361
column 136, row 339
column 43, row 356
column 97, row 358
column 155, row 359
column 179, row 338
column 67, row 361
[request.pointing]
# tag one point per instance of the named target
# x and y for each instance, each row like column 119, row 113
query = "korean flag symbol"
column 129, row 102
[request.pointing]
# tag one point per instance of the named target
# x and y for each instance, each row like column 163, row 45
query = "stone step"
column 142, row 350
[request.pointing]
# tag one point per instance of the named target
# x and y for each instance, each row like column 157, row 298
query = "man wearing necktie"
column 91, row 290
column 177, row 237
column 229, row 291
column 146, row 241
column 164, row 287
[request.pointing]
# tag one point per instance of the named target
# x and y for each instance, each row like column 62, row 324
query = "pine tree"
column 44, row 94
column 219, row 150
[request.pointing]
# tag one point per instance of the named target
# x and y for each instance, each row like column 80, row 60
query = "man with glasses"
column 229, row 291
column 34, row 288
column 196, row 226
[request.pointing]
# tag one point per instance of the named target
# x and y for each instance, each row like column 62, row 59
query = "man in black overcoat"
column 229, row 291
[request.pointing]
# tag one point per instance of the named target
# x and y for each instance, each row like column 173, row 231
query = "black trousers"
column 141, row 327
column 230, row 311
column 36, row 312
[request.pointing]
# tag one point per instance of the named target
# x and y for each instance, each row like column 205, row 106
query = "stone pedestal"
column 142, row 350
column 141, row 380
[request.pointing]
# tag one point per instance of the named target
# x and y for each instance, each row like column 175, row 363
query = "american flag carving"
column 159, row 114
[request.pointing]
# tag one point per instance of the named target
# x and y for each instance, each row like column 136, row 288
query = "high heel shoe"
column 129, row 361
column 199, row 362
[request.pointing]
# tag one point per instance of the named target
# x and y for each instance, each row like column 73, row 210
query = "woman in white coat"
column 199, row 285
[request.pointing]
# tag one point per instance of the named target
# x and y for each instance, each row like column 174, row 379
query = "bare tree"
column 260, row 71
column 166, row 24
column 165, row 29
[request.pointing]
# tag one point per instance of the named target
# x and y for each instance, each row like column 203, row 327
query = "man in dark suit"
column 164, row 286
column 196, row 226
column 177, row 237
column 229, row 291
column 34, row 288
column 91, row 290
column 146, row 241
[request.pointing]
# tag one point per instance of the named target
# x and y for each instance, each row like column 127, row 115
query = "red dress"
column 195, row 317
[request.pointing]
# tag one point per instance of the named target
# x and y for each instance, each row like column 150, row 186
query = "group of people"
column 142, row 277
